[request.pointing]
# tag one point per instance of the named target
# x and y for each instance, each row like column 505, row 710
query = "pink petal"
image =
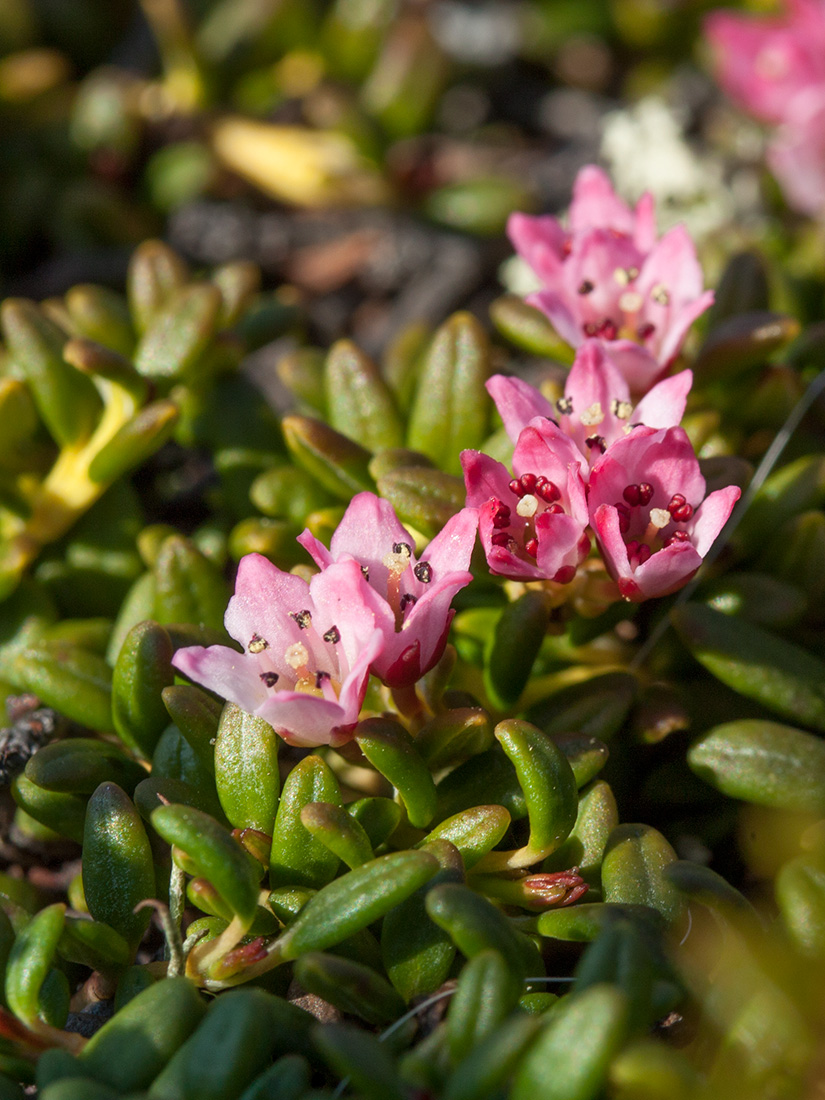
column 539, row 242
column 635, row 363
column 595, row 203
column 263, row 597
column 664, row 405
column 605, row 522
column 671, row 263
column 307, row 720
column 796, row 154
column 680, row 324
column 315, row 548
column 484, row 478
column 644, row 235
column 668, row 570
column 229, row 674
column 517, row 402
column 543, row 448
column 451, row 549
column 558, row 538
column 712, row 516
column 558, row 312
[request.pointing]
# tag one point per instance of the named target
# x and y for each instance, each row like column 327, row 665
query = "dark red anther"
column 501, row 516
column 646, row 330
column 677, row 536
column 608, row 329
column 531, row 547
column 624, row 516
column 500, row 538
column 515, row 487
column 676, row 501
column 645, row 492
column 586, row 287
column 554, row 510
column 632, row 548
column 546, row 489
column 682, row 514
column 643, row 553
column 596, row 441
column 590, row 328
column 565, row 575
column 528, row 482
column 632, row 495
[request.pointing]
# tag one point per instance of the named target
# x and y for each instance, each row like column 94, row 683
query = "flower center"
column 625, row 321
column 650, row 528
column 535, row 494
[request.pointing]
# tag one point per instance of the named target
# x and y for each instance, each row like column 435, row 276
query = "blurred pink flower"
column 409, row 598
column 649, row 512
column 307, row 650
column 775, row 69
column 764, row 63
column 532, row 525
column 609, row 278
column 596, row 409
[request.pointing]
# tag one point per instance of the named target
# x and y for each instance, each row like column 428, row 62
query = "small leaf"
column 633, row 868
column 514, row 646
column 156, row 273
column 392, row 752
column 359, row 401
column 474, row 832
column 350, row 986
column 78, row 765
column 179, row 333
column 424, row 498
column 339, row 464
column 742, row 342
column 339, row 832
column 30, row 960
column 70, row 679
column 297, row 858
column 484, row 997
column 358, row 1055
column 246, row 769
column 189, row 587
column 142, row 671
column 528, row 328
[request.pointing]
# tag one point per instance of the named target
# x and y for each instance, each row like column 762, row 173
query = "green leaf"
column 800, row 895
column 795, row 488
column 633, row 868
column 197, row 716
column 424, row 498
column 379, row 818
column 30, row 960
column 339, row 832
column 142, row 671
column 454, row 734
column 739, row 343
column 764, row 763
column 246, row 769
column 474, row 925
column 742, row 288
column 62, row 813
column 586, row 755
column 101, row 314
column 339, row 464
column 179, row 333
column 355, row 900
column 514, row 646
column 286, row 1079
column 189, row 587
column 137, row 440
column 620, row 955
column 63, row 676
column 350, row 986
column 93, row 944
column 451, row 410
column 487, row 1068
column 358, row 1055
column 218, row 857
column 155, row 275
column 359, row 401
column 780, row 675
column 78, row 765
column 484, row 997
column 66, row 400
column 528, row 328
column 118, row 870
column 584, row 848
column 131, row 1048
column 474, row 832
column 392, row 752
column 579, row 1041
column 297, row 857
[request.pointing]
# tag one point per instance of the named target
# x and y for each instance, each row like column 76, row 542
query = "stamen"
column 516, row 487
column 528, row 482
column 622, row 276
column 270, row 678
column 645, row 330
column 257, row 644
column 302, row 618
column 527, row 506
column 320, row 676
column 296, row 655
column 407, row 600
column 586, row 287
column 365, row 569
column 621, row 409
column 590, row 328
column 659, row 517
column 564, row 406
column 333, row 635
column 624, row 516
column 596, row 441
column 501, row 538
column 660, row 295
column 645, row 492
column 501, row 519
column 592, row 415
column 565, row 575
column 554, row 510
column 631, row 495
column 608, row 329
column 424, row 571
column 547, row 490
column 632, row 273
column 531, row 547
column 402, row 548
column 677, row 536
column 631, row 301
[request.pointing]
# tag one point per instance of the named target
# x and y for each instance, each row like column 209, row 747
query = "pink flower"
column 409, row 598
column 765, row 63
column 307, row 650
column 532, row 525
column 596, row 409
column 608, row 277
column 796, row 153
column 649, row 512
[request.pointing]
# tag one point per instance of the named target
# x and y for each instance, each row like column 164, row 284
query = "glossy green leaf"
column 392, row 752
column 94, row 944
column 338, row 831
column 246, row 769
column 586, row 755
column 424, row 498
column 101, row 314
column 474, row 832
column 514, row 646
column 788, row 491
column 635, row 858
column 483, row 999
column 596, row 818
column 286, row 1079
column 378, row 817
column 780, row 675
column 62, row 812
column 217, row 856
column 155, row 275
column 197, row 715
column 30, row 960
column 63, row 676
column 528, row 328
column 454, row 734
column 619, row 955
column 179, row 333
column 597, row 705
column 742, row 342
column 297, row 857
column 78, row 765
column 174, row 758
column 358, row 1055
column 487, row 777
column 579, row 1041
column 118, row 870
column 649, row 1069
column 142, row 671
column 189, row 587
column 137, row 440
column 350, row 986
column 355, row 900
column 340, row 465
column 360, row 403
column 800, row 895
column 765, row 763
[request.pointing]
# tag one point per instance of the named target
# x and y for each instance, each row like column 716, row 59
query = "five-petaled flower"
column 607, row 276
column 596, row 409
column 532, row 523
column 408, row 597
column 307, row 650
column 649, row 512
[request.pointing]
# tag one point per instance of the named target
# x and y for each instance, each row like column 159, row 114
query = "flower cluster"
column 598, row 464
column 607, row 277
column 775, row 68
